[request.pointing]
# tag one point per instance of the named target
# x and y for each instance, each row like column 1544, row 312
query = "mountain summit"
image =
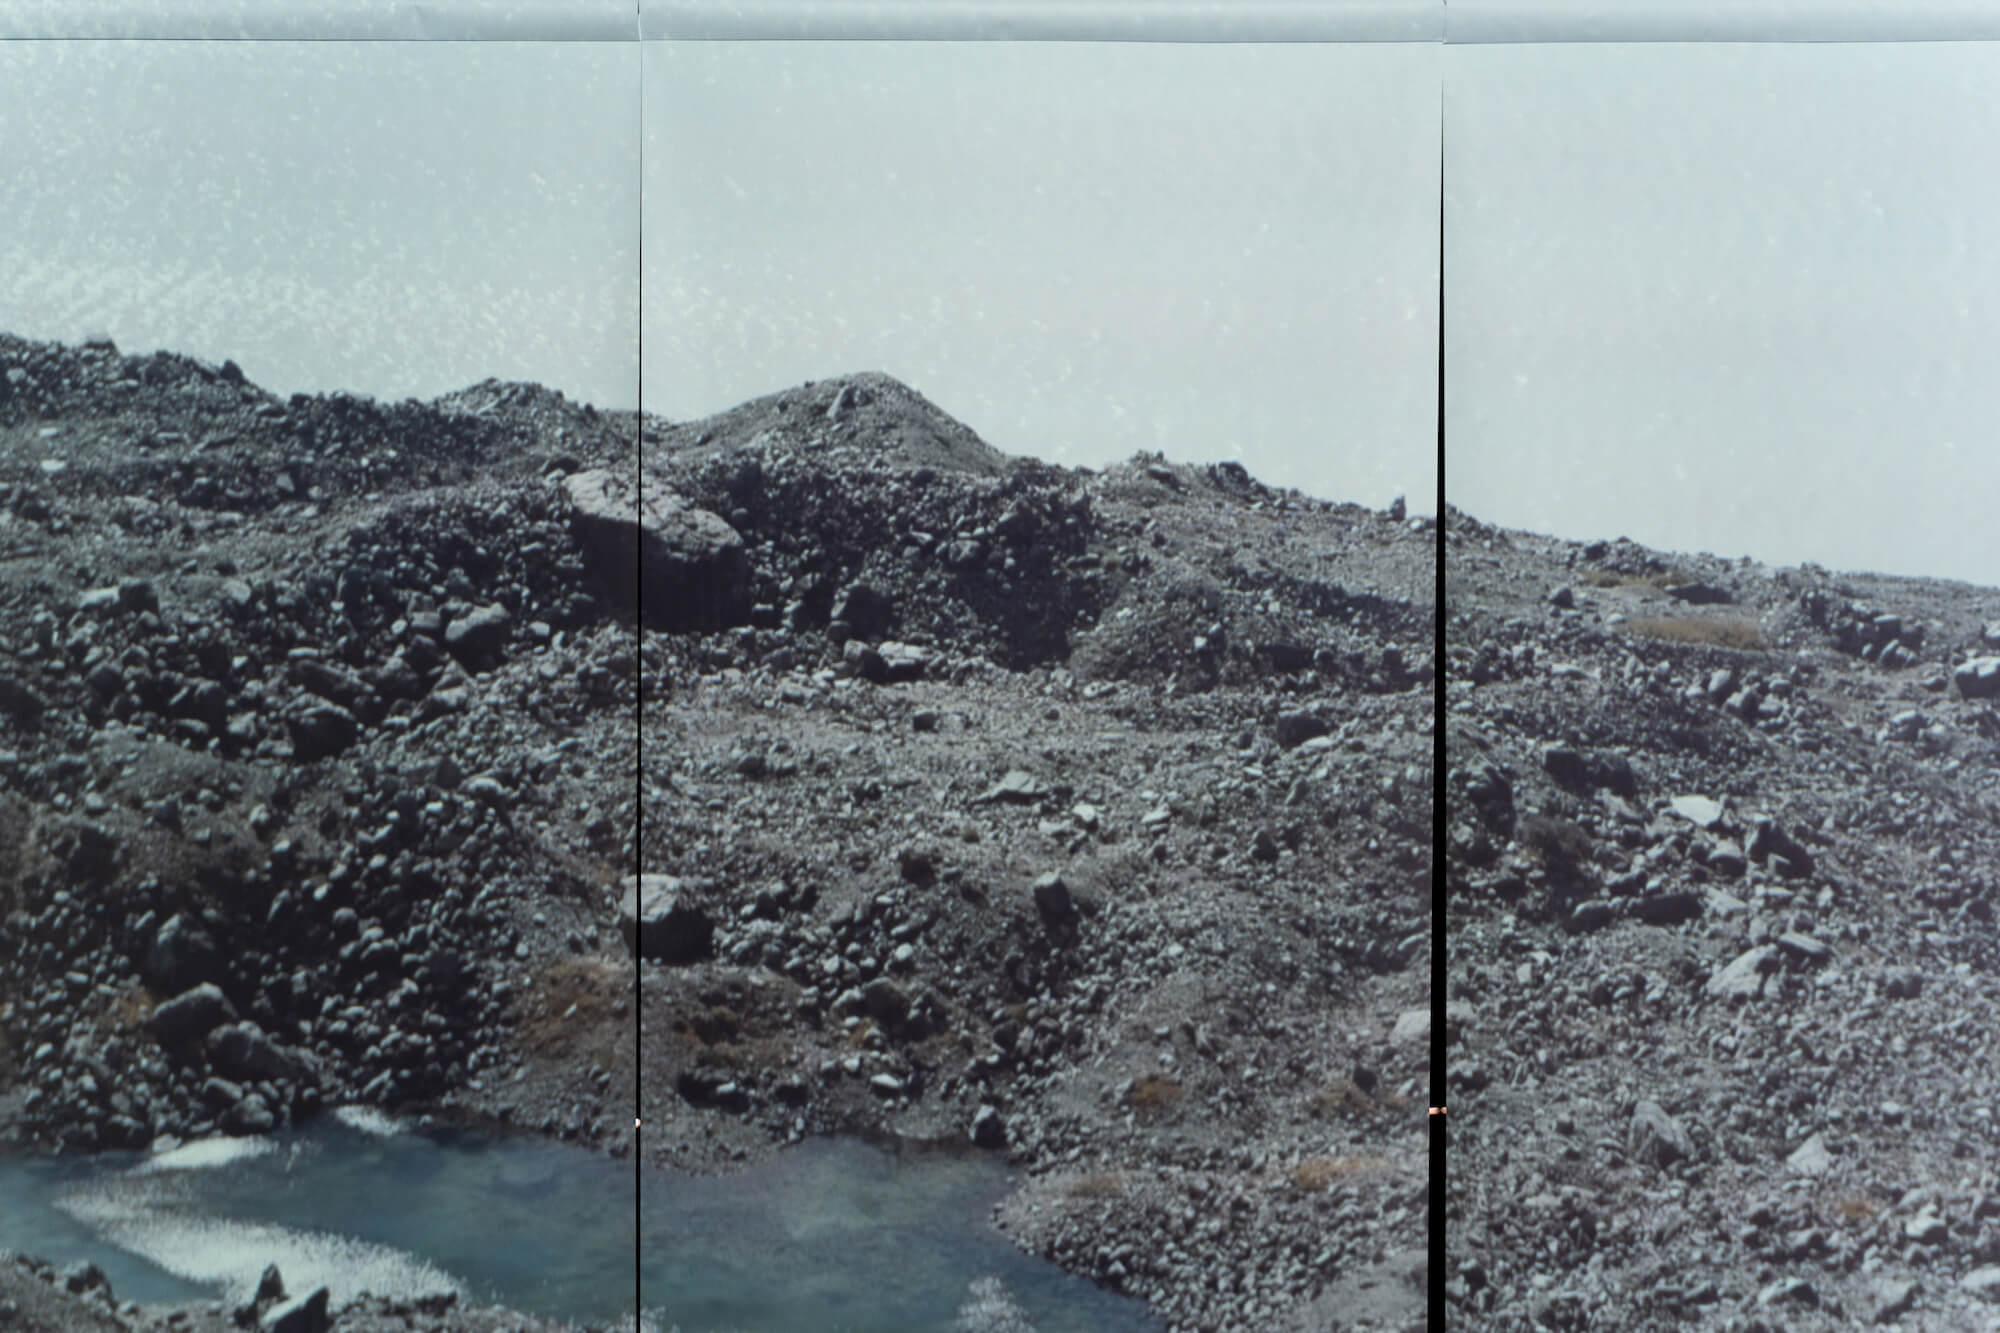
column 866, row 417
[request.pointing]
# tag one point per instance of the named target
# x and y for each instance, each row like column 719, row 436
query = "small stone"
column 1656, row 1137
column 1804, row 947
column 1745, row 978
column 1697, row 810
column 1052, row 899
column 1893, row 1298
column 480, row 634
column 1811, row 1157
column 1587, row 917
column 1017, row 785
column 1295, row 729
column 662, row 923
column 301, row 1314
column 988, row 1129
column 1926, row 1229
column 1789, row 1291
column 1983, row 1282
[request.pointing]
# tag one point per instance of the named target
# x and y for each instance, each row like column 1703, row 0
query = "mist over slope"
column 1722, row 860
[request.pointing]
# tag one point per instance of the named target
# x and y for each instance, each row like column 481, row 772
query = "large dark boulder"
column 662, row 922
column 686, row 568
column 1584, row 771
column 867, row 610
column 192, row 1015
column 242, row 1050
column 321, row 731
column 1296, row 728
column 181, row 956
column 1978, row 678
column 478, row 636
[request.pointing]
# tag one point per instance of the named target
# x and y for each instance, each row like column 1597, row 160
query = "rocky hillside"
column 1722, row 863
column 1081, row 816
column 1078, row 816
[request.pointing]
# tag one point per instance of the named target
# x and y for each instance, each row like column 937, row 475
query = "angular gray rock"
column 301, row 1314
column 1978, row 677
column 1017, row 784
column 689, row 566
column 866, row 610
column 1983, row 1282
column 1811, row 1157
column 1697, row 810
column 479, row 634
column 1745, row 977
column 662, row 923
column 1052, row 899
column 989, row 1130
column 886, row 1002
column 1656, row 1137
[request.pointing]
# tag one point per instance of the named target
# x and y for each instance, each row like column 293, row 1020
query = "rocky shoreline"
column 37, row 1297
column 1082, row 816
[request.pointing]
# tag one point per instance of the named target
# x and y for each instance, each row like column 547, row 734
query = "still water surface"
column 833, row 1236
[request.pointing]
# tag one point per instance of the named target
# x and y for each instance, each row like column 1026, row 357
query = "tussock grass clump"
column 1097, row 1185
column 1317, row 1173
column 571, row 996
column 1557, row 843
column 1348, row 1098
column 1715, row 632
column 131, row 1008
column 1612, row 578
column 1156, row 1093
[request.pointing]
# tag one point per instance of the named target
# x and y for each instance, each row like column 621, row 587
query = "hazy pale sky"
column 394, row 218
column 1737, row 298
column 1082, row 250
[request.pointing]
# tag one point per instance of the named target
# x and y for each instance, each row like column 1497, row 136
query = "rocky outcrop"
column 662, row 922
column 685, row 567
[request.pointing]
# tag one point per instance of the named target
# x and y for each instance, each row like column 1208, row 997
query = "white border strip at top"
column 1493, row 21
column 330, row 20
column 1045, row 20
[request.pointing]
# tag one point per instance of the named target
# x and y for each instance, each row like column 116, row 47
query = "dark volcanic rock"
column 321, row 731
column 687, row 564
column 192, row 1014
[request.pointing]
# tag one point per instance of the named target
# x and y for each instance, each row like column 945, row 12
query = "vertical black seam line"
column 1439, row 1130
column 638, row 671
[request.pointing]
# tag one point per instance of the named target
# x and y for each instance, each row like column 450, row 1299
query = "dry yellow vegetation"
column 1714, row 631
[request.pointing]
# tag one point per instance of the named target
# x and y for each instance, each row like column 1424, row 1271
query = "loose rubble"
column 1078, row 816
column 1082, row 817
column 1720, row 903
